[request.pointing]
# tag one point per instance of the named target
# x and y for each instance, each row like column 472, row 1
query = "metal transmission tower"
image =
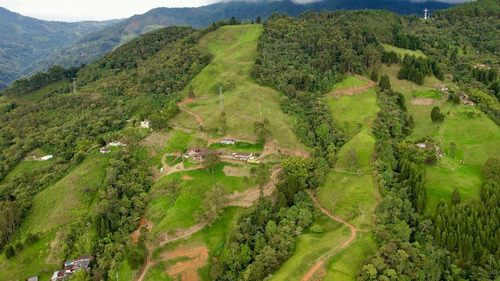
column 426, row 17
column 221, row 106
column 74, row 85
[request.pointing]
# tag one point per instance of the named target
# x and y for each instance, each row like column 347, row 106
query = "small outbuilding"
column 145, row 124
column 104, row 150
column 227, row 141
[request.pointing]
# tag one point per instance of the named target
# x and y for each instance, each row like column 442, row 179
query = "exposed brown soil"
column 187, row 178
column 273, row 149
column 187, row 269
column 157, row 139
column 243, row 171
column 143, row 222
column 180, row 234
column 422, row 101
column 248, row 197
column 352, row 91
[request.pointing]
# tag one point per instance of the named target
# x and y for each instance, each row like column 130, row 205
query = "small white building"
column 46, row 157
column 421, row 145
column 227, row 141
column 145, row 124
column 242, row 156
column 116, row 143
column 104, row 150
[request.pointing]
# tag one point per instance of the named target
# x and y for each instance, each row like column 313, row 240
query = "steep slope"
column 24, row 40
column 95, row 45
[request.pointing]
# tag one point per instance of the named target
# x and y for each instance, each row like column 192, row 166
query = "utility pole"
column 426, row 17
column 74, row 85
column 221, row 106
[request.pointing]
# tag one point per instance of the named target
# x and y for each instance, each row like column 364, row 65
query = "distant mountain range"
column 24, row 40
column 63, row 44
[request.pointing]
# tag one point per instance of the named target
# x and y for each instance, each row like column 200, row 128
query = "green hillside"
column 235, row 49
column 68, row 200
column 361, row 182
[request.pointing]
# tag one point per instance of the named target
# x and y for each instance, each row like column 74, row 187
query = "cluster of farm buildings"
column 72, row 266
column 200, row 153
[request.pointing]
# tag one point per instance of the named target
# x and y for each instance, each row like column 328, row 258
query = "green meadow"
column 29, row 262
column 363, row 144
column 345, row 264
column 313, row 246
column 402, row 52
column 349, row 81
column 354, row 113
column 477, row 138
column 244, row 102
column 170, row 212
column 69, row 199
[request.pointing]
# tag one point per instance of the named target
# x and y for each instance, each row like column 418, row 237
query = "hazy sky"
column 73, row 10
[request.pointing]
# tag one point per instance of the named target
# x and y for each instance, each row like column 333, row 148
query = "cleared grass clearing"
column 311, row 246
column 245, row 102
column 405, row 86
column 345, row 194
column 67, row 200
column 168, row 215
column 26, row 168
column 354, row 112
column 441, row 183
column 29, row 262
column 345, row 264
column 156, row 273
column 363, row 144
column 477, row 138
column 423, row 125
column 402, row 52
column 348, row 82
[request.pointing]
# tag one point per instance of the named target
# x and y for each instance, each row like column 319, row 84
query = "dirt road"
column 198, row 117
column 344, row 245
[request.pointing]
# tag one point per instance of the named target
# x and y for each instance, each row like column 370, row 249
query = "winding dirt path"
column 145, row 268
column 310, row 273
column 189, row 100
column 352, row 91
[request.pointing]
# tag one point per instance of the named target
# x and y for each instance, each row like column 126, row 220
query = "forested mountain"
column 24, row 40
column 417, row 142
column 95, row 45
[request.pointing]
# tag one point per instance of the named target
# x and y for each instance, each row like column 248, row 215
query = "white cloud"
column 71, row 10
column 77, row 10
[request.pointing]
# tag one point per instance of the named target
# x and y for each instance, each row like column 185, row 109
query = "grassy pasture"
column 29, row 262
column 67, row 200
column 245, row 102
column 344, row 194
column 354, row 112
column 402, row 52
column 311, row 246
column 405, row 86
column 345, row 264
column 349, row 81
column 363, row 143
column 169, row 215
column 477, row 138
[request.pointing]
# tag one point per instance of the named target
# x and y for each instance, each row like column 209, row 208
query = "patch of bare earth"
column 243, row 171
column 143, row 222
column 248, row 197
column 422, row 101
column 55, row 248
column 187, row 270
column 187, row 178
column 157, row 139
